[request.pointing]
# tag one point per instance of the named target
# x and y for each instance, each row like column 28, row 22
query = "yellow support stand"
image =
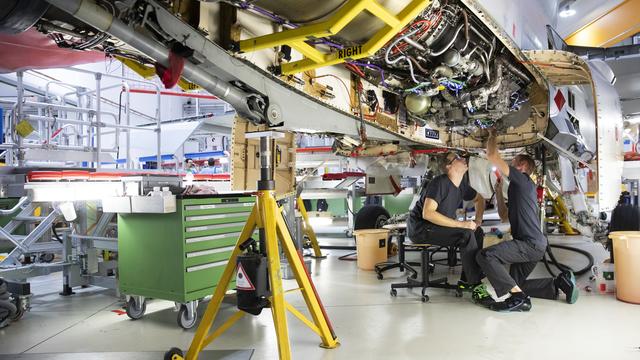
column 267, row 216
column 561, row 214
column 313, row 58
column 308, row 230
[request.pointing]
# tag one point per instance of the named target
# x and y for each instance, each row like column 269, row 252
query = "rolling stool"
column 426, row 266
column 398, row 231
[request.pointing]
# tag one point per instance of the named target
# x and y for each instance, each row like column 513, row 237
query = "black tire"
column 185, row 322
column 135, row 312
column 19, row 314
column 17, row 16
column 371, row 217
column 174, row 354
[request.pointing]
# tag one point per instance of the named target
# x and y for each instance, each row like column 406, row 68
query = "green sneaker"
column 566, row 282
column 481, row 296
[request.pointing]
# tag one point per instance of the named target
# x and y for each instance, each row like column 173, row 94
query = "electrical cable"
column 55, row 234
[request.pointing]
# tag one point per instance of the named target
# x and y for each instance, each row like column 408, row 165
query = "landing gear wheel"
column 379, row 276
column 136, row 310
column 18, row 315
column 20, row 308
column 186, row 320
column 394, row 292
column 46, row 257
column 174, row 354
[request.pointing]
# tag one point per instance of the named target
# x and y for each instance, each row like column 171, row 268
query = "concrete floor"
column 369, row 323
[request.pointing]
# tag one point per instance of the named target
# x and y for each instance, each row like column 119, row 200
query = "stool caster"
column 458, row 293
column 379, row 276
column 394, row 292
column 432, row 268
column 414, row 276
column 425, row 297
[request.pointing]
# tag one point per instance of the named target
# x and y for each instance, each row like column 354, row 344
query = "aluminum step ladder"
column 25, row 244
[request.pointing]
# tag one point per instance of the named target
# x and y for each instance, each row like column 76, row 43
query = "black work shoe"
column 512, row 304
column 527, row 304
column 566, row 282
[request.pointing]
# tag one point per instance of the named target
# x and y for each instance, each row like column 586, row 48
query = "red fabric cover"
column 171, row 75
column 34, row 50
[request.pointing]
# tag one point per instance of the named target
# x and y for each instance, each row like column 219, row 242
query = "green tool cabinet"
column 179, row 256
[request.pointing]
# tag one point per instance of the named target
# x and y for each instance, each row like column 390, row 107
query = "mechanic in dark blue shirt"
column 528, row 245
column 433, row 219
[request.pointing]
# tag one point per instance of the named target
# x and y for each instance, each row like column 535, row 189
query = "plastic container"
column 371, row 246
column 605, row 277
column 626, row 252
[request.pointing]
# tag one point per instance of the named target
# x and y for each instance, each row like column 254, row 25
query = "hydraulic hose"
column 562, row 267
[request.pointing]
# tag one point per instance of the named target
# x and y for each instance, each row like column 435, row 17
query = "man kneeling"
column 528, row 245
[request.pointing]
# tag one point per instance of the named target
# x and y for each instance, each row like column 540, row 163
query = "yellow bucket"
column 371, row 246
column 626, row 252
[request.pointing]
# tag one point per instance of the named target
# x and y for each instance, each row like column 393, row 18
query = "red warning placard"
column 242, row 280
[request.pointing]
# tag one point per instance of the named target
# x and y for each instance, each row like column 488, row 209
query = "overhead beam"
column 610, row 28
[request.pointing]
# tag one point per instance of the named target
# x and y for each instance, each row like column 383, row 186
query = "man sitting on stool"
column 433, row 220
column 528, row 245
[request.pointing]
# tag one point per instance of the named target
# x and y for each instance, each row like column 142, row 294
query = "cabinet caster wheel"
column 425, row 298
column 135, row 310
column 186, row 320
column 394, row 292
column 174, row 354
column 379, row 276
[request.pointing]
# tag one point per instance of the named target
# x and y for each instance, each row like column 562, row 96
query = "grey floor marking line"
column 69, row 327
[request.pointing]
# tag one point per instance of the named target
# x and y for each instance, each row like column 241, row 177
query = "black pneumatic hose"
column 562, row 267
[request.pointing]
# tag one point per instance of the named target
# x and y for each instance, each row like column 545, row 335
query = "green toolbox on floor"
column 179, row 256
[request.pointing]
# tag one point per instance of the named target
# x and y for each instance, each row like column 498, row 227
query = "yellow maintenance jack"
column 308, row 230
column 560, row 214
column 267, row 217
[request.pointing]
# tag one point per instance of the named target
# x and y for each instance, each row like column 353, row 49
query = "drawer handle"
column 210, row 251
column 207, row 266
column 212, row 227
column 218, row 216
column 217, row 206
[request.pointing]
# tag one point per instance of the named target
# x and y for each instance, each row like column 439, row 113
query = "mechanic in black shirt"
column 528, row 245
column 433, row 219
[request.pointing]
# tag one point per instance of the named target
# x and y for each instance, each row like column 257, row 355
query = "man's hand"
column 468, row 224
column 498, row 185
column 478, row 222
